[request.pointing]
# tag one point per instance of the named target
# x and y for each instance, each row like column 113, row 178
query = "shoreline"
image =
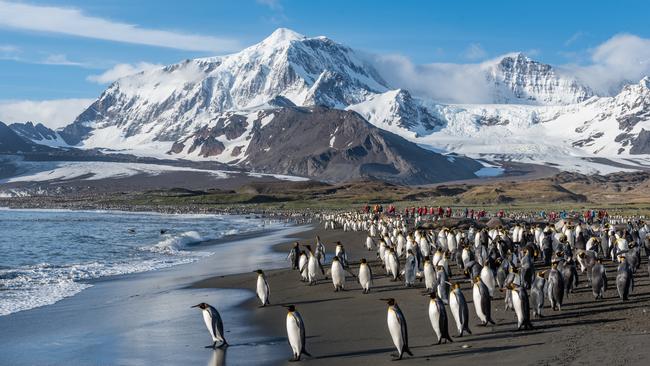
column 349, row 328
column 151, row 309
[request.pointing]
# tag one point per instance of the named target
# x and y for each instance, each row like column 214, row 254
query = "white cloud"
column 8, row 48
column 474, row 52
column 453, row 83
column 52, row 113
column 60, row 59
column 121, row 70
column 74, row 22
column 621, row 59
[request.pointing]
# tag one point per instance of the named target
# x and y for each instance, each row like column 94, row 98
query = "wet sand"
column 349, row 328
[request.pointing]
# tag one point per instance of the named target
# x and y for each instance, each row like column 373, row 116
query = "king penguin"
column 215, row 325
column 537, row 294
column 624, row 279
column 410, row 269
column 459, row 309
column 482, row 303
column 555, row 287
column 522, row 307
column 296, row 333
column 365, row 275
column 397, row 328
column 598, row 279
column 438, row 318
column 263, row 290
column 430, row 277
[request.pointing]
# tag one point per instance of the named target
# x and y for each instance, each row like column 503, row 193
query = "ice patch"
column 489, row 171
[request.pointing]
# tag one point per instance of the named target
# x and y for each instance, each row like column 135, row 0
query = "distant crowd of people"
column 589, row 216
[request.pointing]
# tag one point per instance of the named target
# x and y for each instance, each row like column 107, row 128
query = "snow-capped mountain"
column 217, row 108
column 516, row 78
column 38, row 133
column 168, row 103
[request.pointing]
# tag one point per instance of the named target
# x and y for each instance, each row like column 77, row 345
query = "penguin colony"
column 498, row 259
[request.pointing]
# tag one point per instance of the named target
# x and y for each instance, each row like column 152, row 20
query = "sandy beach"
column 349, row 328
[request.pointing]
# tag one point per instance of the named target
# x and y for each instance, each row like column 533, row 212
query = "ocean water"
column 47, row 255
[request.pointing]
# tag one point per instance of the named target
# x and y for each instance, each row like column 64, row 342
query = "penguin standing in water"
column 459, row 309
column 482, row 303
column 295, row 333
column 438, row 318
column 555, row 287
column 263, row 290
column 365, row 275
column 598, row 279
column 624, row 279
column 213, row 321
column 537, row 294
column 397, row 328
column 522, row 307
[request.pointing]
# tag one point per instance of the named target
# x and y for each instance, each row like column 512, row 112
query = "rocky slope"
column 335, row 145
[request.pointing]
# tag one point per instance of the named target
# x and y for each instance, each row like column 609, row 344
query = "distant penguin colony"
column 533, row 264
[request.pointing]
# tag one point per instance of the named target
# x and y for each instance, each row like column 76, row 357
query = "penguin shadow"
column 356, row 353
column 318, row 301
column 503, row 334
column 576, row 323
column 389, row 288
column 476, row 350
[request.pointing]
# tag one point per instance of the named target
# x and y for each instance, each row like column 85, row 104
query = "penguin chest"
column 454, row 305
column 293, row 333
column 429, row 276
column 395, row 329
column 434, row 317
column 476, row 296
column 364, row 276
column 312, row 266
column 262, row 291
column 207, row 318
column 518, row 305
column 337, row 274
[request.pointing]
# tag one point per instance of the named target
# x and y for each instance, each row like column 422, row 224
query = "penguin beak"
column 195, row 306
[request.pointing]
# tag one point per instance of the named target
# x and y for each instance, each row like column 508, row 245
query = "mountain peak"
column 282, row 35
column 645, row 82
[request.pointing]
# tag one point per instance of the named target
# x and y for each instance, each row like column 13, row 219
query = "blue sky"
column 58, row 49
